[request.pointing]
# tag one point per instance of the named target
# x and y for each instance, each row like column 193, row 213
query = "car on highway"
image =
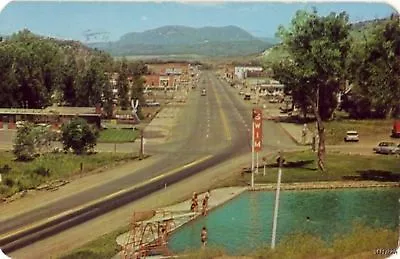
column 387, row 148
column 151, row 103
column 351, row 136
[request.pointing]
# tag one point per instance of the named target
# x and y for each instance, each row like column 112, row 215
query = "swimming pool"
column 245, row 223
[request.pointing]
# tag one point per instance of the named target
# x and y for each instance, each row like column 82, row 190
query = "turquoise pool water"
column 245, row 222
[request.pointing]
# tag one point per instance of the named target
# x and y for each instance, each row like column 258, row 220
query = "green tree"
column 123, row 85
column 8, row 82
column 137, row 68
column 70, row 80
column 137, row 93
column 108, row 100
column 90, row 89
column 24, row 143
column 318, row 47
column 32, row 140
column 375, row 68
column 43, row 137
column 79, row 136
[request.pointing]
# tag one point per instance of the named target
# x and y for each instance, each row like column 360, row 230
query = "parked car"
column 273, row 100
column 285, row 109
column 386, row 148
column 351, row 135
column 396, row 129
column 20, row 124
column 241, row 93
column 203, row 92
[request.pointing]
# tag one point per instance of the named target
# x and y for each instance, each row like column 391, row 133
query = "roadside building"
column 54, row 116
column 241, row 71
column 274, row 89
column 159, row 82
column 169, row 76
column 176, row 68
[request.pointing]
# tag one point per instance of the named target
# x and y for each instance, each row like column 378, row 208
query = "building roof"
column 69, row 111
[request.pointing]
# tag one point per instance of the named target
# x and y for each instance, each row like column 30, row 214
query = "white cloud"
column 143, row 18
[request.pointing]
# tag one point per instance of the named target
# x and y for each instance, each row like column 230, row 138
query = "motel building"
column 54, row 116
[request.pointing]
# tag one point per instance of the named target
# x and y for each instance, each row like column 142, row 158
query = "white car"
column 351, row 135
column 387, row 148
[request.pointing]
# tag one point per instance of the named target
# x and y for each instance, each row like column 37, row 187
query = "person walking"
column 304, row 134
column 204, row 206
column 194, row 205
column 208, row 194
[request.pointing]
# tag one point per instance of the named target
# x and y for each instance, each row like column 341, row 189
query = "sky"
column 72, row 20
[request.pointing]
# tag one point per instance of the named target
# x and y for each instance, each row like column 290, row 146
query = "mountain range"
column 177, row 40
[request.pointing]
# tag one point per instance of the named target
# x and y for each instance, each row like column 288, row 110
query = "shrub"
column 24, row 143
column 78, row 136
column 32, row 141
column 5, row 169
column 9, row 182
column 42, row 171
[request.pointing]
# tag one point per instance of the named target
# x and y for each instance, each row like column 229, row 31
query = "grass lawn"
column 367, row 130
column 118, row 135
column 302, row 167
column 18, row 176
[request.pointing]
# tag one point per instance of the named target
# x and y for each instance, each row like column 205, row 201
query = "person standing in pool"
column 204, row 237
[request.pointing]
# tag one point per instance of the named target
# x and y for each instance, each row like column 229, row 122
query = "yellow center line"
column 105, row 198
column 222, row 114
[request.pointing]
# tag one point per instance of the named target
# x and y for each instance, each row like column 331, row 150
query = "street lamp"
column 280, row 160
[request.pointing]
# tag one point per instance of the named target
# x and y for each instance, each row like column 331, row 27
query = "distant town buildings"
column 242, row 72
column 54, row 116
column 167, row 76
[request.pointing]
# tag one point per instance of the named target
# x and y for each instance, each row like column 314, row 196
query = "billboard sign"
column 257, row 129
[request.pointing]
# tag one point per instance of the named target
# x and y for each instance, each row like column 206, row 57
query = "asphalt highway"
column 213, row 128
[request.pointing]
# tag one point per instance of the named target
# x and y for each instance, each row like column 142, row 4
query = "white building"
column 241, row 72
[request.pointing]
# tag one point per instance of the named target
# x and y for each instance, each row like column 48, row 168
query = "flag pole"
column 252, row 154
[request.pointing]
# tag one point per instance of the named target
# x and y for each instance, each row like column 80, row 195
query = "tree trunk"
column 321, row 138
column 389, row 113
column 321, row 146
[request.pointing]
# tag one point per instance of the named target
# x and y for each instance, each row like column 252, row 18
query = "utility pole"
column 141, row 153
column 398, row 240
column 257, row 163
column 264, row 160
column 280, row 161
